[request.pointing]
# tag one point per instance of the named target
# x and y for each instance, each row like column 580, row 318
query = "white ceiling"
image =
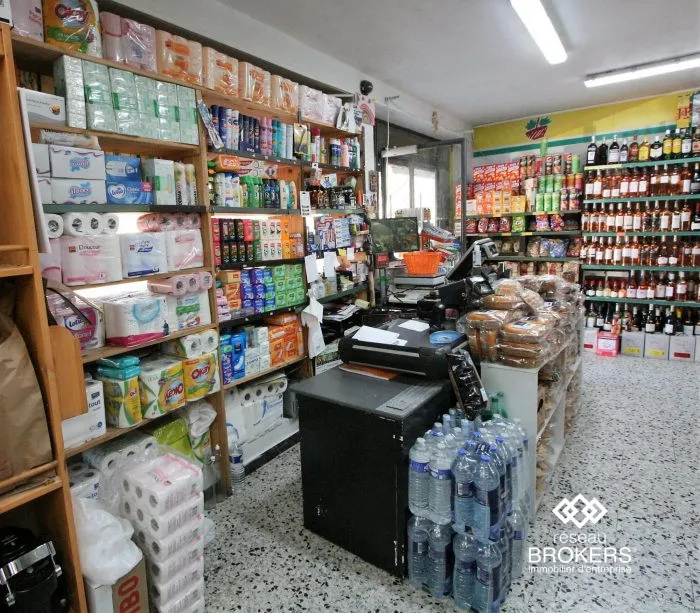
column 475, row 60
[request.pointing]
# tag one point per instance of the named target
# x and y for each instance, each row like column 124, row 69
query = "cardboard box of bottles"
column 656, row 346
column 682, row 348
column 632, row 344
column 590, row 339
column 608, row 344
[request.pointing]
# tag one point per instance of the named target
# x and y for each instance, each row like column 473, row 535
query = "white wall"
column 219, row 22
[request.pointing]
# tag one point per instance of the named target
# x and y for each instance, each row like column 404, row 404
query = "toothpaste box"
column 41, row 160
column 120, row 168
column 74, row 163
column 45, row 108
column 129, row 192
column 68, row 191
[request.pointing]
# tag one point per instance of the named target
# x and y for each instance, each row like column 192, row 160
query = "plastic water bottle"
column 488, row 578
column 419, row 478
column 452, row 444
column 501, row 541
column 519, row 524
column 463, row 473
column 237, row 468
column 504, row 452
column 418, row 529
column 499, row 464
column 440, row 493
column 433, row 438
column 485, row 507
column 464, row 575
column 447, row 424
column 440, row 560
column 455, row 417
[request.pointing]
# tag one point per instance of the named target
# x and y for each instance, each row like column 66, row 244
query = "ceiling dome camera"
column 366, row 88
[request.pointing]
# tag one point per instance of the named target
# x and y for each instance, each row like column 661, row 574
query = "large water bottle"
column 452, row 444
column 488, row 578
column 499, row 464
column 236, row 466
column 504, row 451
column 486, row 504
column 501, row 541
column 419, row 478
column 461, row 434
column 418, row 529
column 433, row 438
column 464, row 546
column 463, row 473
column 447, row 423
column 440, row 492
column 518, row 522
column 440, row 560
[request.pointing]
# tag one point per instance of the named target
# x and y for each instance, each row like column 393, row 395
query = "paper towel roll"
column 77, row 468
column 54, row 225
column 75, row 224
column 160, row 526
column 210, row 340
column 104, row 459
column 161, row 549
column 193, row 283
column 282, row 385
column 186, row 347
column 112, row 36
column 170, row 568
column 95, row 225
column 86, row 485
column 193, row 221
column 147, row 444
column 206, row 280
column 174, row 286
column 110, row 223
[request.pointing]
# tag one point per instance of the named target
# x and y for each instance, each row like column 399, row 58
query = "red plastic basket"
column 422, row 262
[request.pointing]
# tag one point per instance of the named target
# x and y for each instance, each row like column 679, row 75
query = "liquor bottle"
column 669, row 323
column 590, row 316
column 695, row 179
column 660, row 289
column 614, row 289
column 620, row 218
column 653, row 252
column 687, row 144
column 664, row 219
column 643, row 183
column 655, row 181
column 622, row 289
column 615, row 181
column 675, row 186
column 592, row 153
column 671, row 287
column 583, row 252
column 648, row 218
column 614, row 151
column 676, row 217
column 627, row 252
column 674, row 252
column 624, row 152
column 600, row 289
column 637, row 218
column 610, row 218
column 648, row 320
column 664, row 182
column 590, row 289
column 643, row 287
column 608, row 251
column 651, row 288
column 635, row 252
column 607, row 290
column 633, row 189
column 634, row 150
column 607, row 325
column 625, row 183
column 686, row 179
column 594, row 223
column 644, row 150
column 588, row 189
column 637, row 318
column 602, row 158
column 656, row 150
column 677, row 144
column 606, row 191
column 632, row 286
column 695, row 223
column 685, row 217
column 695, row 256
column 688, row 324
column 600, row 252
column 600, row 317
column 616, row 327
column 598, row 185
column 687, row 257
column 679, row 321
column 695, row 147
column 692, row 287
column 586, row 218
column 644, row 251
column 658, row 321
column 666, row 146
column 629, row 320
column 628, row 218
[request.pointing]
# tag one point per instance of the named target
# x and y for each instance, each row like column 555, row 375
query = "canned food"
column 547, row 202
column 556, row 164
column 549, row 184
column 558, row 183
column 578, row 181
column 567, row 163
column 548, row 164
column 569, row 181
column 575, row 163
column 539, row 202
column 574, row 200
column 564, row 200
column 556, row 200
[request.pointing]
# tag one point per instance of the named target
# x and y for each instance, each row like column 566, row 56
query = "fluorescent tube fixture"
column 538, row 24
column 643, row 71
column 399, row 151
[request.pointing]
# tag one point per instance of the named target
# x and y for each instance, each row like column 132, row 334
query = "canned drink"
column 564, row 200
column 574, row 201
column 539, row 202
column 557, row 183
column 541, row 184
column 556, row 201
column 549, row 184
column 567, row 163
column 575, row 163
column 257, row 246
column 547, row 202
column 556, row 164
column 570, row 181
column 266, row 251
column 578, row 181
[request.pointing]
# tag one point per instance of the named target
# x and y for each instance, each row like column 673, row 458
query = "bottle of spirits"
column 649, row 322
column 686, row 179
column 677, row 144
column 675, row 251
column 655, row 151
column 685, row 217
column 667, row 146
column 658, row 321
column 620, row 217
column 637, row 217
column 602, row 153
column 687, row 144
column 675, row 186
column 669, row 322
column 592, row 153
column 671, row 287
column 644, row 150
column 664, row 219
column 634, row 150
column 614, row 151
column 681, row 288
column 632, row 286
column 695, row 179
column 676, row 217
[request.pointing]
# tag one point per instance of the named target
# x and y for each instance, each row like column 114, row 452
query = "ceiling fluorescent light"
column 538, row 24
column 643, row 71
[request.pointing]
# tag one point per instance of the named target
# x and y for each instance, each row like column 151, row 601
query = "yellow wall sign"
column 610, row 119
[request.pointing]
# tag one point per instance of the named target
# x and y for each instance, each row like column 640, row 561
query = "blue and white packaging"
column 143, row 253
column 75, row 163
column 120, row 168
column 78, row 191
column 238, row 343
column 129, row 192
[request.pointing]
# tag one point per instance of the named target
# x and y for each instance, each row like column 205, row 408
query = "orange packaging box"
column 281, row 319
column 489, row 173
column 513, row 171
column 286, row 249
column 235, row 304
column 506, row 202
column 230, row 276
column 517, row 204
column 501, row 172
column 500, row 186
column 478, row 174
column 227, row 163
column 232, row 290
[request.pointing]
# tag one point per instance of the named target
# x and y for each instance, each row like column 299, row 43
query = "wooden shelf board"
column 10, row 248
column 121, row 208
column 18, row 498
column 249, row 319
column 14, row 271
column 246, row 107
column 111, row 350
column 240, row 265
column 262, row 373
column 163, row 275
column 251, row 155
column 640, row 164
column 229, row 210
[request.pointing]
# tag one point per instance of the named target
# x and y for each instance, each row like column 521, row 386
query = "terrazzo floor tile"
column 643, row 469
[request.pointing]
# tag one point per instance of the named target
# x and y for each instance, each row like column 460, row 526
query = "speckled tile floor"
column 635, row 446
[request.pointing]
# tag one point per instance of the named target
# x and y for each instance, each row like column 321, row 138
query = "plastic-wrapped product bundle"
column 98, row 97
column 68, row 80
column 125, row 101
column 220, row 72
column 73, row 25
column 254, row 83
column 285, row 94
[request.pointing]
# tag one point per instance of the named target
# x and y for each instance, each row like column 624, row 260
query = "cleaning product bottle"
column 292, row 202
column 345, row 154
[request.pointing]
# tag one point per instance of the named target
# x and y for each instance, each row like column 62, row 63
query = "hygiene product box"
column 45, row 190
column 128, row 595
column 607, row 344
column 90, row 259
column 143, row 253
column 77, row 191
column 42, row 162
column 682, row 348
column 162, row 386
column 161, row 173
column 26, row 18
column 45, row 108
column 129, row 192
column 75, row 163
column 656, row 346
column 632, row 344
column 134, row 319
column 122, row 401
column 120, row 168
column 83, row 428
column 188, row 311
column 90, row 333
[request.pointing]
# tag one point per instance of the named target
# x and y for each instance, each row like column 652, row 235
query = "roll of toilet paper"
column 251, row 394
column 155, row 222
column 54, row 225
column 206, row 280
column 147, row 444
column 160, row 526
column 173, row 286
column 161, row 549
column 210, row 340
column 282, row 385
column 95, row 225
column 110, row 223
column 86, row 485
column 90, row 259
column 181, row 221
column 193, row 283
column 77, row 468
column 162, row 594
column 75, row 224
column 173, row 566
column 193, row 221
column 186, row 347
column 104, row 459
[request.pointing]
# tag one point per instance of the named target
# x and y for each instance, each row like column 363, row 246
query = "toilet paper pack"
column 134, row 319
column 27, row 18
column 98, row 97
column 220, row 72
column 68, row 80
column 167, row 111
column 189, row 118
column 147, row 98
column 188, row 311
column 122, row 401
column 189, row 346
column 73, row 25
column 162, row 386
column 185, row 249
column 90, row 259
column 51, row 267
column 201, row 376
column 162, row 572
column 86, row 485
column 75, row 163
column 125, row 101
column 191, row 577
column 142, row 253
column 90, row 333
column 83, row 428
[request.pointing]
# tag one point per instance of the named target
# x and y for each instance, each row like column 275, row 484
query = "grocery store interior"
column 362, row 308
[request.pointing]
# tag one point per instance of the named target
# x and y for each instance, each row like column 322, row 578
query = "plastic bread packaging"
column 530, row 351
column 483, row 344
column 220, row 72
column 503, row 303
column 491, row 319
column 285, row 94
column 254, row 83
column 527, row 330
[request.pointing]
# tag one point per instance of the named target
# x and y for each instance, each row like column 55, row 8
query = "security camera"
column 366, row 87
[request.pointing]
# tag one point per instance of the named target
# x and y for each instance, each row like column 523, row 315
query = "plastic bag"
column 104, row 541
column 470, row 392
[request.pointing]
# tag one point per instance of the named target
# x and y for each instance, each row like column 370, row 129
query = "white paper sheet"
column 414, row 324
column 350, row 253
column 305, row 203
column 311, row 317
column 329, row 261
column 369, row 334
column 311, row 268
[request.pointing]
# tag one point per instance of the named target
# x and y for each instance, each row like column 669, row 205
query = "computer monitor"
column 395, row 235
